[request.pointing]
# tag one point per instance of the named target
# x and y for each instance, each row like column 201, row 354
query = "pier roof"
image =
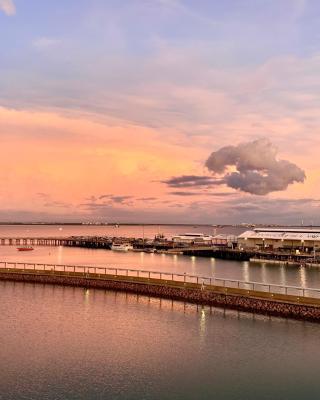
column 282, row 235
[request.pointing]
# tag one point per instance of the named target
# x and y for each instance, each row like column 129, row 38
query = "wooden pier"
column 257, row 297
column 72, row 241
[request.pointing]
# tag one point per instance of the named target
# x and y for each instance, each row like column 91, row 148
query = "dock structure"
column 257, row 297
column 276, row 256
column 72, row 241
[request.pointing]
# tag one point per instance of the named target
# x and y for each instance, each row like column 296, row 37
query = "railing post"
column 149, row 274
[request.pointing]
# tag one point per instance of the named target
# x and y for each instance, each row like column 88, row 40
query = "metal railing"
column 165, row 277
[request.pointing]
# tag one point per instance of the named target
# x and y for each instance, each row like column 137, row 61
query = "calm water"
column 149, row 231
column 68, row 343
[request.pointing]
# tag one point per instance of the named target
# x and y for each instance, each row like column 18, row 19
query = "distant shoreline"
column 153, row 224
column 101, row 224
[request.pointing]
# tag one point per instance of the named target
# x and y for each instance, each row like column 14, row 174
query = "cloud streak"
column 187, row 194
column 188, row 181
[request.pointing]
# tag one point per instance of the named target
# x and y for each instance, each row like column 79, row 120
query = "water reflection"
column 246, row 273
column 282, row 275
column 60, row 254
column 303, row 277
column 202, row 326
column 175, row 259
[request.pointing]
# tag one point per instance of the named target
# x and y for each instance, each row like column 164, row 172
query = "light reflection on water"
column 70, row 343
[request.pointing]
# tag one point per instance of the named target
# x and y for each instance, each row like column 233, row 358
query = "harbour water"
column 149, row 231
column 70, row 343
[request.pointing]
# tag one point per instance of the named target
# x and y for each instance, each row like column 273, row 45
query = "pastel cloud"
column 250, row 167
column 8, row 7
column 258, row 171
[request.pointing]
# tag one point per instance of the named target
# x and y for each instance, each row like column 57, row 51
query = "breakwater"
column 277, row 300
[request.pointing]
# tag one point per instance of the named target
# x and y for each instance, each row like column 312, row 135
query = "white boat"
column 121, row 246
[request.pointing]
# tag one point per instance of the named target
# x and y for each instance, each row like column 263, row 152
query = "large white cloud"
column 257, row 169
column 8, row 7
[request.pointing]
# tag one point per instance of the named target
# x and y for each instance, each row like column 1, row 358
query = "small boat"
column 121, row 246
column 25, row 248
column 149, row 250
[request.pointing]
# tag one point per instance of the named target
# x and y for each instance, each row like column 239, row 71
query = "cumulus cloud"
column 8, row 7
column 257, row 169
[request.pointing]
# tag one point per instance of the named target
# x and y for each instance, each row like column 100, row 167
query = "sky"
column 159, row 111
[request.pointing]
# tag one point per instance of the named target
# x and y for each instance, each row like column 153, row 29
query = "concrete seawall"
column 286, row 306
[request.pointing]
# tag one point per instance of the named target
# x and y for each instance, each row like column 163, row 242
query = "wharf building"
column 201, row 239
column 281, row 239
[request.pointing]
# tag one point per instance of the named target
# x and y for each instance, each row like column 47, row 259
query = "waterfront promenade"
column 280, row 300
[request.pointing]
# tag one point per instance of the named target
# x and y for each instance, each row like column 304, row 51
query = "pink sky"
column 97, row 116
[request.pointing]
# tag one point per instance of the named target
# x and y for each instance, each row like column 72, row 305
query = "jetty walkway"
column 263, row 298
column 75, row 241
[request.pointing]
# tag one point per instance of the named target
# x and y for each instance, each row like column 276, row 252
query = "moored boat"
column 121, row 246
column 25, row 248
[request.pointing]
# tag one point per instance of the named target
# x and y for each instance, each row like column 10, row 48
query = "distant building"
column 281, row 239
column 222, row 240
column 192, row 238
column 225, row 240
